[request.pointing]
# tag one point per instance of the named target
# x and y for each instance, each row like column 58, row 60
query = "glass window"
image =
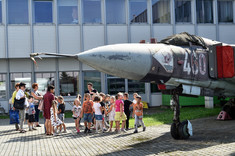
column 115, row 85
column 68, row 11
column 20, row 77
column 3, row 92
column 92, row 11
column 204, row 11
column 136, row 86
column 115, row 12
column 225, row 11
column 43, row 80
column 0, row 11
column 69, row 83
column 161, row 11
column 43, row 12
column 183, row 11
column 138, row 11
column 94, row 78
column 18, row 12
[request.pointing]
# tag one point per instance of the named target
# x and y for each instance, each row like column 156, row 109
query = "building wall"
column 19, row 40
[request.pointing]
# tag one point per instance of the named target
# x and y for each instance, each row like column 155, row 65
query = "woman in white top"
column 21, row 95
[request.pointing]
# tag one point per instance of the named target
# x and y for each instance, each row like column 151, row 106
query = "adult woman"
column 13, row 100
column 37, row 97
column 47, row 100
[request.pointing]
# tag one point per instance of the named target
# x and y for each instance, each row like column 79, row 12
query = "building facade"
column 73, row 26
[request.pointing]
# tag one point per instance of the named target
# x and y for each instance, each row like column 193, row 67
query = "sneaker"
column 89, row 131
column 34, row 128
column 123, row 130
column 78, row 130
column 38, row 126
column 30, row 129
column 85, row 130
column 144, row 128
column 54, row 134
column 64, row 131
column 135, row 131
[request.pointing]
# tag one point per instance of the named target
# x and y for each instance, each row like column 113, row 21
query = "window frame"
column 147, row 14
column 59, row 87
column 85, row 84
column 1, row 13
column 6, row 82
column 233, row 12
column 125, row 14
column 58, row 15
column 12, row 87
column 108, row 77
column 7, row 15
column 170, row 19
column 83, row 14
column 34, row 13
column 191, row 22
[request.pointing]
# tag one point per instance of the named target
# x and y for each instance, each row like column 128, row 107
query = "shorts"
column 118, row 118
column 99, row 117
column 27, row 116
column 75, row 118
column 87, row 117
column 31, row 118
column 61, row 116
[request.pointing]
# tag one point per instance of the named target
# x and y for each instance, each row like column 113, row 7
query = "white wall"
column 68, row 64
column 185, row 28
column 116, row 34
column 19, row 41
column 227, row 33
column 140, row 32
column 162, row 31
column 44, row 38
column 93, row 36
column 156, row 99
column 45, row 65
column 207, row 31
column 20, row 65
column 3, row 66
column 69, row 39
column 2, row 42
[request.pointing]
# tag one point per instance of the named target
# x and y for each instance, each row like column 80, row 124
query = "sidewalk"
column 210, row 139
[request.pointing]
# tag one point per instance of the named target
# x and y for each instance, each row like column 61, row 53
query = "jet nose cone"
column 131, row 61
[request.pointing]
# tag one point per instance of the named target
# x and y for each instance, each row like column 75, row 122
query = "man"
column 90, row 88
column 48, row 98
column 21, row 95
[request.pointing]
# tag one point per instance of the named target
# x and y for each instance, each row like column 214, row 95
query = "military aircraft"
column 181, row 64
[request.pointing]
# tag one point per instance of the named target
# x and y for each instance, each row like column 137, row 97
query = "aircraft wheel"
column 174, row 131
column 183, row 130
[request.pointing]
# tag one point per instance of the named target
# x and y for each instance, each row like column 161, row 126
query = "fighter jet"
column 182, row 64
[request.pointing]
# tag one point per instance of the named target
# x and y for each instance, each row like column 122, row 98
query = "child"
column 88, row 112
column 138, row 110
column 119, row 113
column 111, row 112
column 98, row 113
column 61, row 111
column 127, row 105
column 55, row 121
column 76, row 113
column 31, row 112
column 103, row 96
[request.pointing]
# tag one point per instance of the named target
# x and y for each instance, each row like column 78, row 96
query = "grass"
column 165, row 115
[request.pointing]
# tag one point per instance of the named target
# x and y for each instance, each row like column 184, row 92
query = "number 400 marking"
column 195, row 64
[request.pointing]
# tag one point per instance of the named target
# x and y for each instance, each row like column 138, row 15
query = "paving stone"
column 211, row 137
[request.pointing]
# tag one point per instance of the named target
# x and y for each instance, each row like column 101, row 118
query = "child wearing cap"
column 138, row 113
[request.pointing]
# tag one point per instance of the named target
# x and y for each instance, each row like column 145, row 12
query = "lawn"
column 165, row 115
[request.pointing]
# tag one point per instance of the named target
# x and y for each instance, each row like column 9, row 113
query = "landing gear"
column 179, row 130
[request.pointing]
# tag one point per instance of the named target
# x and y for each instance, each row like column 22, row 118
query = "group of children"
column 99, row 110
column 57, row 114
column 102, row 110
